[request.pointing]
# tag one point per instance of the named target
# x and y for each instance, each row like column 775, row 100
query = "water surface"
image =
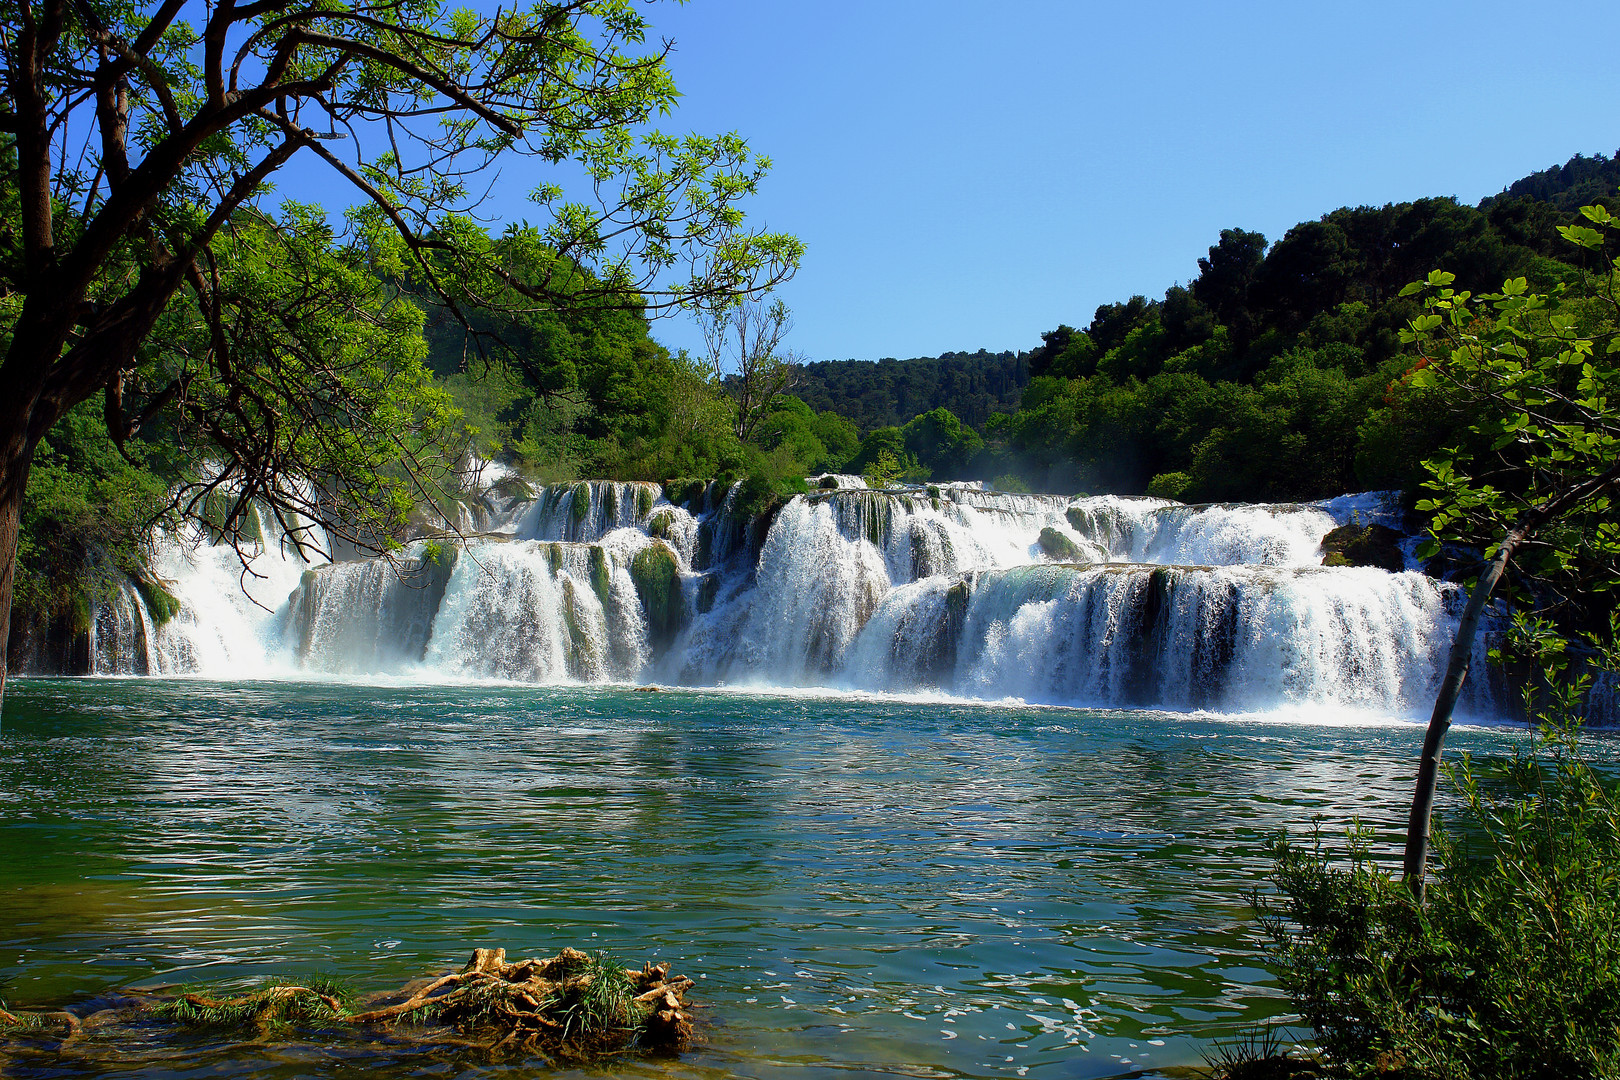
column 862, row 886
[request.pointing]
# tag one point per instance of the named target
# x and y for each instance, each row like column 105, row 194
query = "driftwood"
column 572, row 1007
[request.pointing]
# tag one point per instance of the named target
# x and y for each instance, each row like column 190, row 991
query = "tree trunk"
column 16, row 456
column 1462, row 650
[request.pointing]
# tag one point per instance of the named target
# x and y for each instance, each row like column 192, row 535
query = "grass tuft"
column 1258, row 1053
column 277, row 1003
column 598, row 999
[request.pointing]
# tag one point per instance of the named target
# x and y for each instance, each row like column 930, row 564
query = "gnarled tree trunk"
column 16, row 457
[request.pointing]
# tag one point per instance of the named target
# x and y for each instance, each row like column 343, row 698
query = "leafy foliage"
column 947, row 448
column 1511, row 969
column 1280, row 372
column 327, row 375
column 883, row 458
column 85, row 518
column 1506, row 964
column 1537, row 374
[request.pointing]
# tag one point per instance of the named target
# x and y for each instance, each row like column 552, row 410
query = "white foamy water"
column 948, row 590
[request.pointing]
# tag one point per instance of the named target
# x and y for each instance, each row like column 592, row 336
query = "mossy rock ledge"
column 658, row 583
column 1059, row 547
column 574, row 1008
column 580, row 508
column 1364, row 545
column 661, row 525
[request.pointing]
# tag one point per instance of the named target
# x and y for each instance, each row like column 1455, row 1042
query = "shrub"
column 1170, row 485
column 763, row 492
column 1511, row 968
column 1009, row 482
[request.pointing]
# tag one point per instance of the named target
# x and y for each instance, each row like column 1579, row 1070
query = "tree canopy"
column 1278, row 372
column 137, row 260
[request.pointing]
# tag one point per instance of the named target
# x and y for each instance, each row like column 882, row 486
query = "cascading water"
column 1100, row 601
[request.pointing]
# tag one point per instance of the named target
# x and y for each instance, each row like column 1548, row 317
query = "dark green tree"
column 945, row 446
column 1225, row 277
column 135, row 137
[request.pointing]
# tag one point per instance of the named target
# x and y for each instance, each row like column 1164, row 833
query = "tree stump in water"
column 572, row 1005
column 570, row 1008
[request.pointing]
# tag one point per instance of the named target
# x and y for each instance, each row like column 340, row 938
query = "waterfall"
column 1102, row 601
column 540, row 612
column 368, row 617
column 120, row 634
column 1227, row 638
column 588, row 510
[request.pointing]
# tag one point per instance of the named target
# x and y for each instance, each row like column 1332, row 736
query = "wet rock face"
column 1364, row 545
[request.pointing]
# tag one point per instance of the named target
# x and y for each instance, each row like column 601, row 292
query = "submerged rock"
column 1364, row 545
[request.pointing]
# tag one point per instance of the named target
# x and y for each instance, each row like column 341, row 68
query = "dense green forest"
column 887, row 393
column 1276, row 373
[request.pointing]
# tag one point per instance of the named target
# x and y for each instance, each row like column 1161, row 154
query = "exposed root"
column 570, row 1008
column 38, row 1022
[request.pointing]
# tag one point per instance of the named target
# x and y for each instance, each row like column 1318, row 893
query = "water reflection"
column 867, row 886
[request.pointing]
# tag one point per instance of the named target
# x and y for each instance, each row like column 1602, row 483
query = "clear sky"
column 969, row 174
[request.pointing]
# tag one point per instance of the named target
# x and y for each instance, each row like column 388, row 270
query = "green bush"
column 1170, row 485
column 1510, row 969
column 764, row 491
column 86, row 519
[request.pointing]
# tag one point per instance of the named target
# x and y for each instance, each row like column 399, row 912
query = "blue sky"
column 969, row 174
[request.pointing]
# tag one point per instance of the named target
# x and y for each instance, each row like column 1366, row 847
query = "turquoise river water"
column 862, row 886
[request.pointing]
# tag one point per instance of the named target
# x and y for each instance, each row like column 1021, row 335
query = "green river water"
column 861, row 886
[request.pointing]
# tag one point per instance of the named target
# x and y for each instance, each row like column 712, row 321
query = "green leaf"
column 1581, row 236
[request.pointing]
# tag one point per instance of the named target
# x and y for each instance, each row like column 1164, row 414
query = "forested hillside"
column 887, row 393
column 1581, row 181
column 1277, row 372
